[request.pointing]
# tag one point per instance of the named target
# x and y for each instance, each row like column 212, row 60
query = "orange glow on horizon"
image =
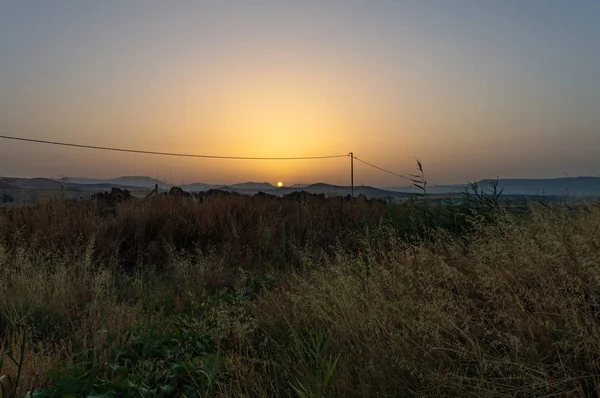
column 389, row 81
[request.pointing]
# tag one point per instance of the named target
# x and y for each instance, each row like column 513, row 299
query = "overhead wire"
column 126, row 150
column 385, row 170
column 103, row 148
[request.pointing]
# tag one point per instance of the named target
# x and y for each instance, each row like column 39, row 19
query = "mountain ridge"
column 580, row 186
column 132, row 181
column 559, row 186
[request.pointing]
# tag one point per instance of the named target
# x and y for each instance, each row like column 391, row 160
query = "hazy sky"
column 475, row 89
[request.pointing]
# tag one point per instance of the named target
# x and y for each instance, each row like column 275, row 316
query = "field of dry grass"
column 247, row 296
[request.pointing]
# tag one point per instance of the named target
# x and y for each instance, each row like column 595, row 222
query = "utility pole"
column 352, row 173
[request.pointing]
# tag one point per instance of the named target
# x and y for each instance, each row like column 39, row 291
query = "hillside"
column 5, row 186
column 46, row 184
column 336, row 190
column 554, row 187
column 34, row 183
column 566, row 186
column 253, row 186
column 125, row 181
column 200, row 187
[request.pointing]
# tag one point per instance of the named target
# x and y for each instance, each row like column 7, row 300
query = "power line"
column 396, row 174
column 165, row 153
column 384, row 170
column 113, row 149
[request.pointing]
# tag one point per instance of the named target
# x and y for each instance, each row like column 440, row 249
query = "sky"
column 474, row 89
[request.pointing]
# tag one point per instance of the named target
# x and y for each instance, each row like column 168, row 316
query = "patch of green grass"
column 179, row 359
column 315, row 365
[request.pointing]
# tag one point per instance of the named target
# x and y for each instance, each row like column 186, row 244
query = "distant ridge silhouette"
column 564, row 186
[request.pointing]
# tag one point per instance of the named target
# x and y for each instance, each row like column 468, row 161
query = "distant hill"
column 142, row 182
column 82, row 181
column 251, row 188
column 103, row 187
column 46, row 184
column 254, row 186
column 34, row 183
column 336, row 190
column 127, row 181
column 324, row 188
column 565, row 186
column 200, row 187
column 6, row 186
column 552, row 187
column 432, row 189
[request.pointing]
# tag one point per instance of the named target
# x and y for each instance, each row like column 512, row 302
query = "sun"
column 279, row 184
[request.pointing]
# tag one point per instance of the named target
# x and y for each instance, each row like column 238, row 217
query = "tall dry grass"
column 249, row 230
column 513, row 310
column 295, row 300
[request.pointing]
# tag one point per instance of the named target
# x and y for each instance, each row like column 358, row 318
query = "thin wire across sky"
column 384, row 170
column 188, row 155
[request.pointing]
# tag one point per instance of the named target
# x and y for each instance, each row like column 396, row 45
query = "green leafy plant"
column 478, row 205
column 316, row 365
column 181, row 362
